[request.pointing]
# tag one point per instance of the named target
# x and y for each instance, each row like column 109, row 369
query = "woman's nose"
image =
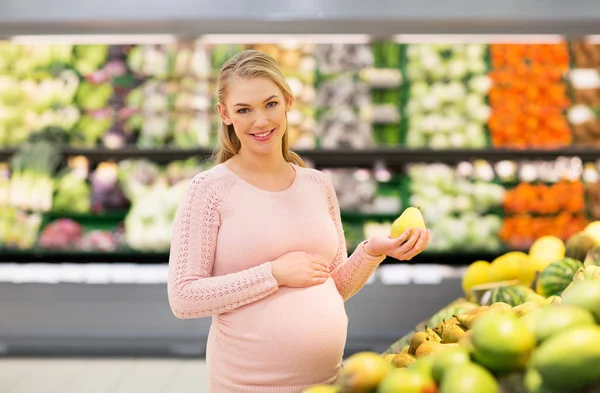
column 260, row 121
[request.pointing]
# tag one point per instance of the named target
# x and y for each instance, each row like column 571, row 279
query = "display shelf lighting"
column 593, row 39
column 478, row 38
column 90, row 39
column 285, row 38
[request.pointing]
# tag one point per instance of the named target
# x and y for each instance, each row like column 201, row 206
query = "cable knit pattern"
column 349, row 274
column 263, row 338
column 193, row 293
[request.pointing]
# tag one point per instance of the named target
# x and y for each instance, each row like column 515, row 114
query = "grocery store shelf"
column 391, row 156
column 40, row 256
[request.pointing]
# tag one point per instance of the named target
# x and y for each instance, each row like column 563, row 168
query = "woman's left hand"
column 399, row 248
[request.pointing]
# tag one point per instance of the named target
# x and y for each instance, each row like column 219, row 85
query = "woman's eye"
column 242, row 111
column 272, row 104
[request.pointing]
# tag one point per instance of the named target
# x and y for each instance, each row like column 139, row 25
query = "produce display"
column 348, row 96
column 505, row 336
column 459, row 204
column 529, row 95
column 447, row 89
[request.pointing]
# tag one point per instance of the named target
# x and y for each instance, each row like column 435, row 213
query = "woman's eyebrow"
column 270, row 98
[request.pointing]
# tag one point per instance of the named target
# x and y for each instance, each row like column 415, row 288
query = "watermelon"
column 513, row 295
column 557, row 276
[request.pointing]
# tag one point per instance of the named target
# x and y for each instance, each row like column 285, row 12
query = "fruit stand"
column 529, row 322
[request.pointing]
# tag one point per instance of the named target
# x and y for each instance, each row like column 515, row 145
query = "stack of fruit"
column 512, row 340
column 536, row 210
column 447, row 85
column 548, row 267
column 459, row 202
column 584, row 79
column 528, row 96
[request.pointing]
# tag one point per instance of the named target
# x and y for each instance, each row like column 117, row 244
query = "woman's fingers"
column 419, row 245
column 320, row 268
column 402, row 238
column 404, row 248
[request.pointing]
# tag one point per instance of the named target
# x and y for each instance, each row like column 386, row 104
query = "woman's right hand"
column 298, row 269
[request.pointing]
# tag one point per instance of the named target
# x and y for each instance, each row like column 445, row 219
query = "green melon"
column 513, row 295
column 557, row 276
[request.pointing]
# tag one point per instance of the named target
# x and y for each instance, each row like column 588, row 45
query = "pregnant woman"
column 258, row 246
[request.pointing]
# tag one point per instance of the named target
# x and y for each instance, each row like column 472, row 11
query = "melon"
column 512, row 295
column 557, row 276
column 579, row 245
column 548, row 249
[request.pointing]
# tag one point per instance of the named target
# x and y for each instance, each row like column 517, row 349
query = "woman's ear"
column 289, row 102
column 223, row 113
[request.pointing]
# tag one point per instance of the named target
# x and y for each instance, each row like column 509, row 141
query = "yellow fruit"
column 410, row 218
column 476, row 274
column 363, row 371
column 528, row 268
column 548, row 249
column 593, row 229
column 506, row 267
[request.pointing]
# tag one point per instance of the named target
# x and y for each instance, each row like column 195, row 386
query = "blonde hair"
column 249, row 64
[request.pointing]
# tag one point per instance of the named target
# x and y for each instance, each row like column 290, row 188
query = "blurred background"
column 485, row 117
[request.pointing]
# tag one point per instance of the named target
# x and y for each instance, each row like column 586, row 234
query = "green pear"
column 452, row 334
column 420, row 337
column 411, row 217
column 427, row 348
column 439, row 328
column 467, row 320
column 416, row 340
column 403, row 360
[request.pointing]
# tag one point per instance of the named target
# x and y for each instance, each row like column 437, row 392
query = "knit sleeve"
column 349, row 273
column 192, row 291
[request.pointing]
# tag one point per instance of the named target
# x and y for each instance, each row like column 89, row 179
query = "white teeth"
column 263, row 134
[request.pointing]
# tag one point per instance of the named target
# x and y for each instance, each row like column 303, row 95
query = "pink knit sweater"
column 263, row 338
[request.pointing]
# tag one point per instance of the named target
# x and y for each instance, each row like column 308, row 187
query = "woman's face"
column 257, row 109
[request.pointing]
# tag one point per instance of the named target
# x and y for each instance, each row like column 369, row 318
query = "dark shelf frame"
column 390, row 156
column 457, row 259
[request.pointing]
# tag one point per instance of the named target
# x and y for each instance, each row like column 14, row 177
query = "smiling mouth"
column 263, row 134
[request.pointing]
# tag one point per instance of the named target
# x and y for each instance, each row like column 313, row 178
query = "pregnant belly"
column 295, row 336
